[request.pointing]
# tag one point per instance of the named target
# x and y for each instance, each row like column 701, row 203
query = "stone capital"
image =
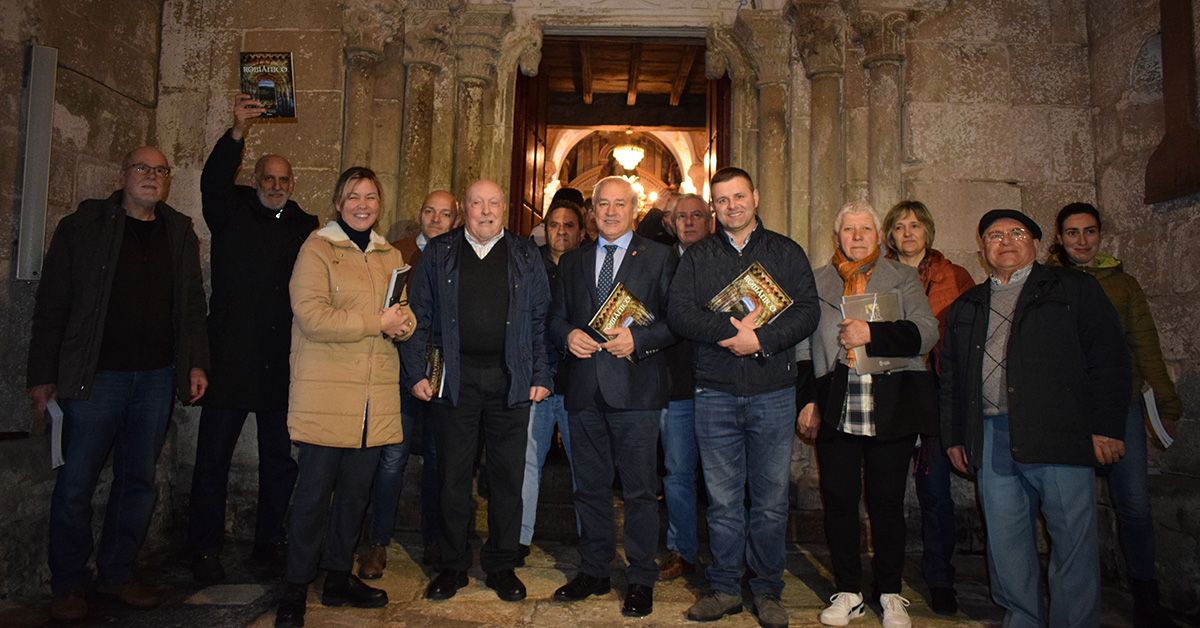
column 478, row 34
column 723, row 53
column 882, row 35
column 369, row 25
column 820, row 30
column 427, row 37
column 767, row 40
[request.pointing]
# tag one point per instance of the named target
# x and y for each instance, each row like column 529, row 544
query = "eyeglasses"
column 1016, row 235
column 144, row 169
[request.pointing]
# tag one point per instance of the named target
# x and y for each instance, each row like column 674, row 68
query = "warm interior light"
column 629, row 155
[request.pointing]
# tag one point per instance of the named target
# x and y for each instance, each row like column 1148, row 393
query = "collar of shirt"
column 618, row 255
column 482, row 248
column 421, row 242
column 1017, row 277
column 734, row 243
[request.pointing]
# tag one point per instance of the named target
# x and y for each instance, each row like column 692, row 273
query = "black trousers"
column 332, row 492
column 481, row 410
column 604, row 440
column 847, row 463
column 217, row 438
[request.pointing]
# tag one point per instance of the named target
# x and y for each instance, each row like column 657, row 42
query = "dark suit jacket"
column 646, row 271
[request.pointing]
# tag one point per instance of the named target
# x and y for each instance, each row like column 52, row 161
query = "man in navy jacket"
column 480, row 294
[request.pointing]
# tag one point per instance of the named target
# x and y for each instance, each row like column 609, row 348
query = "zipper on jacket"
column 370, row 351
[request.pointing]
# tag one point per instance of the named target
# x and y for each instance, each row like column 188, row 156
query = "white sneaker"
column 843, row 607
column 894, row 615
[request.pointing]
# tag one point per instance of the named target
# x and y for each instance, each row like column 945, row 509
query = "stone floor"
column 248, row 599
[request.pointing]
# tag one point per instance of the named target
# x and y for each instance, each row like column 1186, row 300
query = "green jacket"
column 1140, row 333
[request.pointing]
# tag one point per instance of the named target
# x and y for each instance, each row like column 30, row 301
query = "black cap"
column 997, row 214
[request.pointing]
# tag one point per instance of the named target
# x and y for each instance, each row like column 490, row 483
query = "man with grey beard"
column 256, row 234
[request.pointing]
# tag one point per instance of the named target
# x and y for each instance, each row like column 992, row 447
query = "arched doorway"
column 591, row 94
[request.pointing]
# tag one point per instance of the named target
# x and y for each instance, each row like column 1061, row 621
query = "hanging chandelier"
column 629, row 155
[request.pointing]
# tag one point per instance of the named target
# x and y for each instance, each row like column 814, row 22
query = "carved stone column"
column 820, row 31
column 767, row 39
column 356, row 144
column 882, row 35
column 367, row 26
column 478, row 37
column 425, row 42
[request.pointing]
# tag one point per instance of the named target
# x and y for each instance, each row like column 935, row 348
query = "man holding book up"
column 256, row 235
column 616, row 390
column 745, row 402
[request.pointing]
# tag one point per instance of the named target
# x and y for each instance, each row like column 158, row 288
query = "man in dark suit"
column 616, row 391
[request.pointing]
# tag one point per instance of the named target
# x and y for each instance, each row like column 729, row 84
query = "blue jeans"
column 680, row 452
column 932, row 479
column 127, row 415
column 1131, row 499
column 389, row 484
column 543, row 417
column 1010, row 493
column 746, row 441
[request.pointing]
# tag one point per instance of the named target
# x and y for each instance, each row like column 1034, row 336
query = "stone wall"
column 1158, row 244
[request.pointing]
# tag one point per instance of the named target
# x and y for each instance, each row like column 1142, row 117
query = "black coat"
column 707, row 267
column 72, row 297
column 641, row 384
column 250, row 316
column 1067, row 369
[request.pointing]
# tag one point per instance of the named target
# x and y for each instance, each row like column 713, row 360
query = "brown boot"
column 133, row 594
column 70, row 606
column 372, row 561
column 675, row 566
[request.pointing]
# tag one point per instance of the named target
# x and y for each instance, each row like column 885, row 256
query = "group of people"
column 1024, row 381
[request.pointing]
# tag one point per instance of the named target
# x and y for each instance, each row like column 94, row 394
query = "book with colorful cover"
column 268, row 78
column 752, row 291
column 620, row 309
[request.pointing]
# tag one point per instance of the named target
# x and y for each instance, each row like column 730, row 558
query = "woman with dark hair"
column 909, row 230
column 344, row 401
column 865, row 423
column 1077, row 236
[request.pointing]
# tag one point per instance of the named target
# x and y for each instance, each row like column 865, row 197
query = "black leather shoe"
column 207, row 569
column 943, row 600
column 290, row 613
column 581, row 586
column 639, row 601
column 507, row 585
column 345, row 589
column 446, row 584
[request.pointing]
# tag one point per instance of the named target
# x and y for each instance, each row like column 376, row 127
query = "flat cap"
column 996, row 214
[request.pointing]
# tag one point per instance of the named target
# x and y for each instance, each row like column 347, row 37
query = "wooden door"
column 719, row 115
column 529, row 153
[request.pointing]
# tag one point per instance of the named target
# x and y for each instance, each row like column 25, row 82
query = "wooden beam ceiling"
column 635, row 66
column 585, row 70
column 681, row 78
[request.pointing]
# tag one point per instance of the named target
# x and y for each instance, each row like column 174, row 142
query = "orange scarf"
column 854, row 278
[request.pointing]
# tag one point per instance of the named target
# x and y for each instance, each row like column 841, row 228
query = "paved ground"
column 248, row 599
